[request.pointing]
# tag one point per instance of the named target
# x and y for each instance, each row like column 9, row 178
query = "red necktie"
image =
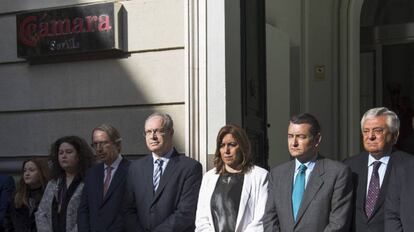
column 107, row 180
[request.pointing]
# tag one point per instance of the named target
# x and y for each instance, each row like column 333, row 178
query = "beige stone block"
column 141, row 79
column 155, row 24
column 11, row 6
column 32, row 133
column 8, row 42
column 151, row 24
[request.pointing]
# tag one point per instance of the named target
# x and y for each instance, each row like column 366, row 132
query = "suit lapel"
column 168, row 174
column 148, row 172
column 286, row 189
column 99, row 184
column 362, row 185
column 245, row 195
column 312, row 188
column 116, row 179
column 383, row 189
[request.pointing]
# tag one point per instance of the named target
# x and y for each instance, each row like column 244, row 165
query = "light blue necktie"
column 298, row 189
column 157, row 173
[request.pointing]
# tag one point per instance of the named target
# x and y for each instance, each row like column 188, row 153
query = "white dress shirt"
column 381, row 170
column 114, row 166
column 309, row 168
column 165, row 158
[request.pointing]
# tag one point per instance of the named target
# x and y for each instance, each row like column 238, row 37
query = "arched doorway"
column 373, row 32
column 387, row 61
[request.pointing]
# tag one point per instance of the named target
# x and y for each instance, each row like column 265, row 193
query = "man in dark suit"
column 407, row 144
column 101, row 202
column 371, row 168
column 7, row 188
column 309, row 193
column 163, row 186
column 399, row 202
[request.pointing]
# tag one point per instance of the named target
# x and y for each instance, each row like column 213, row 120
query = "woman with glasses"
column 70, row 157
column 35, row 175
column 233, row 194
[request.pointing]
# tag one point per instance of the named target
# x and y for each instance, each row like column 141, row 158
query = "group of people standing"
column 165, row 191
column 47, row 195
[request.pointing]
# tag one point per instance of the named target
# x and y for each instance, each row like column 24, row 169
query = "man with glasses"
column 371, row 168
column 101, row 203
column 162, row 188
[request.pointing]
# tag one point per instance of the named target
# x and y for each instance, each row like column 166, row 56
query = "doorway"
column 253, row 74
column 387, row 62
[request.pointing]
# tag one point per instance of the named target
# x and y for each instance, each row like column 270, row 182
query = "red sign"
column 69, row 30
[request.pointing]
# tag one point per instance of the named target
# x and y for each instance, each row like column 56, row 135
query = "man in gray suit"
column 309, row 193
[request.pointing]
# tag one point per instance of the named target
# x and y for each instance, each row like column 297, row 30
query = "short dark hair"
column 244, row 148
column 84, row 152
column 306, row 118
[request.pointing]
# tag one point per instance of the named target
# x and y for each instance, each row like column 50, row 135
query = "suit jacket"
column 99, row 213
column 20, row 220
column 252, row 201
column 173, row 206
column 6, row 191
column 44, row 212
column 359, row 167
column 326, row 203
column 399, row 202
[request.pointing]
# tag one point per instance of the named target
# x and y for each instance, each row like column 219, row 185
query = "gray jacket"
column 326, row 204
column 44, row 212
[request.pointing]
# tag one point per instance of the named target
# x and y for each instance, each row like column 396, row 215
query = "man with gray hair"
column 371, row 168
column 162, row 188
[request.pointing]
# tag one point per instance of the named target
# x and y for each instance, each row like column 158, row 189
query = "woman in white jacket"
column 233, row 194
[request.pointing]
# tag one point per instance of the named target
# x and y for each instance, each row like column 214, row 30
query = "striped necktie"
column 157, row 173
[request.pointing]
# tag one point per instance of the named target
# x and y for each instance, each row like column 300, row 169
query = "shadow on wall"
column 39, row 103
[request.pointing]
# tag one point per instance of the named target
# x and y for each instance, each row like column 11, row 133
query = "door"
column 387, row 75
column 253, row 63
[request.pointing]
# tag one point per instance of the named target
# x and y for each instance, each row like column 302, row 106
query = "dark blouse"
column 23, row 218
column 60, row 204
column 225, row 201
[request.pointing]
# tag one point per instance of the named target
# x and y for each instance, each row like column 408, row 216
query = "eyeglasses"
column 376, row 131
column 100, row 144
column 156, row 132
